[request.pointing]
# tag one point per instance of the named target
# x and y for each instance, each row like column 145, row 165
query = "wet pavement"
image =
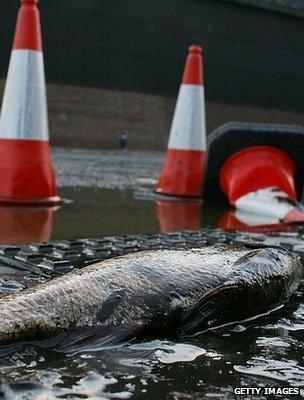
column 103, row 185
column 105, row 169
column 263, row 352
column 267, row 352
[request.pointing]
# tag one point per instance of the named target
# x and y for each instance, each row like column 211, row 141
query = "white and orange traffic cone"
column 261, row 180
column 258, row 169
column 181, row 174
column 26, row 171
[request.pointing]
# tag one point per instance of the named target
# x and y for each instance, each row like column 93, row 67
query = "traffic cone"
column 26, row 170
column 181, row 174
column 258, row 168
column 261, row 180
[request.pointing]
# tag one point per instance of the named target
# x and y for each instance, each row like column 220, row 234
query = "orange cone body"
column 260, row 180
column 26, row 171
column 182, row 171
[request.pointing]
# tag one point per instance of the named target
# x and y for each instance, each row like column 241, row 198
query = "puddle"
column 100, row 212
column 207, row 366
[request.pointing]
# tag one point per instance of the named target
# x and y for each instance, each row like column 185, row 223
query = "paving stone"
column 41, row 247
column 66, row 254
column 70, row 245
column 35, row 258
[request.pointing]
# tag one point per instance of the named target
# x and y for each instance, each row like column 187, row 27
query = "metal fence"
column 251, row 55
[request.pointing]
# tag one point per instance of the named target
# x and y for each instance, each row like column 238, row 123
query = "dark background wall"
column 251, row 55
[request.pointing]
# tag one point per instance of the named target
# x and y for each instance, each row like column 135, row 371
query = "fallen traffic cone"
column 181, row 174
column 260, row 180
column 264, row 178
column 26, row 170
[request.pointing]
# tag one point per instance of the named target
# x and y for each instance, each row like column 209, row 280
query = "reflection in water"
column 111, row 373
column 24, row 225
column 277, row 370
column 244, row 221
column 170, row 353
column 176, row 216
column 265, row 352
column 205, row 366
column 286, row 325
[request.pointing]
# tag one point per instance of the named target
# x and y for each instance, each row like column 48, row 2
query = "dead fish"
column 160, row 291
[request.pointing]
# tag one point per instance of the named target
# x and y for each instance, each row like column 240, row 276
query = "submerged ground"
column 265, row 352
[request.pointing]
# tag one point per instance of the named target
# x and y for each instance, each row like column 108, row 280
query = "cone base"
column 46, row 202
column 181, row 173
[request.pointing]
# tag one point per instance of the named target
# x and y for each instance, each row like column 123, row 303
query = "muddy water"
column 265, row 352
column 102, row 212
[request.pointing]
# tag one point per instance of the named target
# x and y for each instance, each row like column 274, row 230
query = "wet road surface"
column 265, row 352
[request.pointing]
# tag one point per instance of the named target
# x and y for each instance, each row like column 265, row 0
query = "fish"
column 184, row 291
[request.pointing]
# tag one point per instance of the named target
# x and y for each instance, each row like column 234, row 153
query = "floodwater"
column 100, row 212
column 265, row 352
column 114, row 213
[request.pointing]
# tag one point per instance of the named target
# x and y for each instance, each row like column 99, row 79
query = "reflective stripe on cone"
column 24, row 108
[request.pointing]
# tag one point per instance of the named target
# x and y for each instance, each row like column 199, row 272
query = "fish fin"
column 218, row 307
column 96, row 338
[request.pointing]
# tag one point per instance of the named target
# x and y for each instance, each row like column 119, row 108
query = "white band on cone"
column 268, row 202
column 188, row 131
column 24, row 107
